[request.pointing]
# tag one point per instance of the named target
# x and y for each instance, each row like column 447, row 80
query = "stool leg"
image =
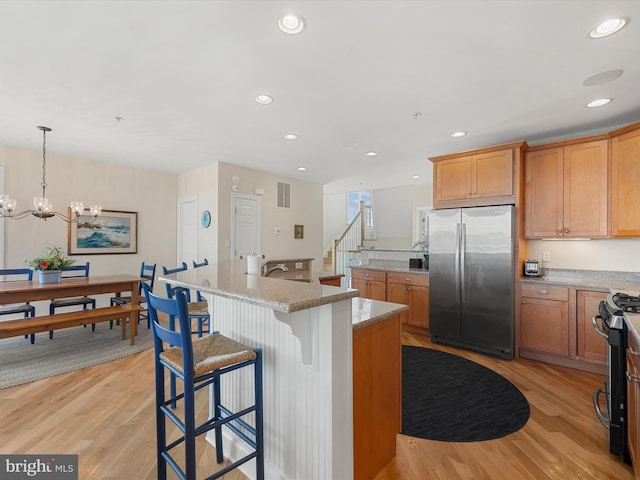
column 259, row 415
column 218, row 415
column 189, row 429
column 161, row 434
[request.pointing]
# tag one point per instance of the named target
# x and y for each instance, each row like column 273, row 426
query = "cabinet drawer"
column 545, row 292
column 364, row 274
column 408, row 278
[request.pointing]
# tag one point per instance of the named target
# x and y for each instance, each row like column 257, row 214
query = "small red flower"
column 44, row 265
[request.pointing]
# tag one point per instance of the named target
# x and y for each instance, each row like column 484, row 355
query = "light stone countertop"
column 399, row 267
column 229, row 280
column 366, row 312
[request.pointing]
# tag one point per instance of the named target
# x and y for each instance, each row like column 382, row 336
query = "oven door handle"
column 596, row 326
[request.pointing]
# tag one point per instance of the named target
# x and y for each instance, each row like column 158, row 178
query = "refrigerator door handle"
column 456, row 261
column 463, row 249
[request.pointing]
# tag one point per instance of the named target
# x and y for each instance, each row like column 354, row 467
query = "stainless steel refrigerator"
column 471, row 284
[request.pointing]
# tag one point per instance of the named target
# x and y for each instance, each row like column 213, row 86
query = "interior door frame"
column 258, row 199
column 180, row 235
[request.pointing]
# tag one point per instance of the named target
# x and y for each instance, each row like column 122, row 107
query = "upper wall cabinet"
column 565, row 189
column 488, row 176
column 625, row 180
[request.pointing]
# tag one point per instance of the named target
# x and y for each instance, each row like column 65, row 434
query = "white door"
column 245, row 225
column 187, row 230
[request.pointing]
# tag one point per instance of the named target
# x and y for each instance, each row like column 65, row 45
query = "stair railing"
column 345, row 250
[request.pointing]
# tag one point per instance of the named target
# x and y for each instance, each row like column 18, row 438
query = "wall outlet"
column 277, row 231
column 546, row 256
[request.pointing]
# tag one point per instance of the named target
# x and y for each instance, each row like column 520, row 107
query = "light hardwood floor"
column 105, row 415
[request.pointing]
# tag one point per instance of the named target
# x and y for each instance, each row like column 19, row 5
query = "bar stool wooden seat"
column 198, row 363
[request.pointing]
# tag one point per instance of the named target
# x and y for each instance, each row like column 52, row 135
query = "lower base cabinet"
column 377, row 395
column 556, row 327
column 411, row 290
column 633, row 402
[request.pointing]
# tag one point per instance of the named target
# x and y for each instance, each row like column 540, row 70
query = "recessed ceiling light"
column 291, row 24
column 371, row 154
column 609, row 27
column 601, row 78
column 263, row 99
column 458, row 134
column 291, row 136
column 599, row 102
column 302, row 169
column 415, row 177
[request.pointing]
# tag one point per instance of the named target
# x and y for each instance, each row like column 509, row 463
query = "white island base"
column 308, row 399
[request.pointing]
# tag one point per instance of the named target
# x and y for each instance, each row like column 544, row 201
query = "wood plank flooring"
column 105, row 414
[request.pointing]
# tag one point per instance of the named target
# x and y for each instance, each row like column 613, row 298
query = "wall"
column 203, row 184
column 334, row 217
column 618, row 255
column 306, row 209
column 152, row 194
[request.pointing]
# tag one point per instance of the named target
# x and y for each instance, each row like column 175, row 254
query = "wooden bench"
column 45, row 323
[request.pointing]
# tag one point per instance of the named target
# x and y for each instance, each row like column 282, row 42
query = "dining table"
column 32, row 291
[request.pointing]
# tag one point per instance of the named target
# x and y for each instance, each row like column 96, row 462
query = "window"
column 353, row 205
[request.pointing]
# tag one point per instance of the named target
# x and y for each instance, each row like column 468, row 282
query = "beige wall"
column 306, row 209
column 115, row 187
column 203, row 184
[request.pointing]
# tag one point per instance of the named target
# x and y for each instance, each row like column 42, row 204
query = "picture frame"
column 113, row 232
column 298, row 231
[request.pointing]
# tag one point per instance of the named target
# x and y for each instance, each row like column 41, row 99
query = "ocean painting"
column 111, row 232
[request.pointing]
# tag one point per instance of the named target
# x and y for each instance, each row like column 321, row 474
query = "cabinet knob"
column 566, row 230
column 542, row 292
column 559, row 232
column 523, row 302
column 407, row 279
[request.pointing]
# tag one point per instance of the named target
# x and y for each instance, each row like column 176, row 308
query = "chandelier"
column 43, row 208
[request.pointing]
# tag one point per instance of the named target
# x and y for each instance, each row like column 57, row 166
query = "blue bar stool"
column 198, row 363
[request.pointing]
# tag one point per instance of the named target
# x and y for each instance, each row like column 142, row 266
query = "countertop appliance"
column 610, row 323
column 532, row 268
column 471, row 286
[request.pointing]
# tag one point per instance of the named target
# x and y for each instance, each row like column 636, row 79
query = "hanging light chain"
column 44, row 160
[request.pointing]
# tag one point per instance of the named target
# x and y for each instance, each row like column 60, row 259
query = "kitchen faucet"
column 277, row 267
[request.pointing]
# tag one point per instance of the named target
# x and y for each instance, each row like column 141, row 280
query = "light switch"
column 546, row 256
column 278, row 231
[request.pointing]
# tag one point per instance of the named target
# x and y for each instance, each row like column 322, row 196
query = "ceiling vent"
column 284, row 195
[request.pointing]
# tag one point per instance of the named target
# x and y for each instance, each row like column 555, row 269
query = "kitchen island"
column 306, row 332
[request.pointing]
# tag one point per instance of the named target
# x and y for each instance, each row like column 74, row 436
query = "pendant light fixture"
column 43, row 208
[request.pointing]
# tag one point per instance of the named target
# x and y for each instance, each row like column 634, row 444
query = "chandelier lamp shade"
column 42, row 207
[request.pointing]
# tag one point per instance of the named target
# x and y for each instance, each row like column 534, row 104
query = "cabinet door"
column 545, row 325
column 633, row 402
column 453, row 179
column 369, row 289
column 625, row 179
column 418, row 306
column 585, row 190
column 591, row 346
column 543, row 186
column 492, row 174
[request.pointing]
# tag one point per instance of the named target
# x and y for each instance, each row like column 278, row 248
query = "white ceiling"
column 183, row 76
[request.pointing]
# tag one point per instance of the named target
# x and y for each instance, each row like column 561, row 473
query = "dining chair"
column 198, row 310
column 147, row 275
column 73, row 271
column 26, row 309
column 204, row 263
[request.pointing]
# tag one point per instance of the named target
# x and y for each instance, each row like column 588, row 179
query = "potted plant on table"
column 50, row 266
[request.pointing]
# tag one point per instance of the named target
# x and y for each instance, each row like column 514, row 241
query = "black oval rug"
column 452, row 399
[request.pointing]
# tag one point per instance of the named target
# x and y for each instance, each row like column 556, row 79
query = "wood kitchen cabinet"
column 544, row 317
column 566, row 189
column 411, row 290
column 370, row 283
column 625, row 178
column 590, row 346
column 633, row 402
column 486, row 176
column 555, row 326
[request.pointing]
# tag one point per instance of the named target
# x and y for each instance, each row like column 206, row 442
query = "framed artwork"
column 113, row 232
column 298, row 231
